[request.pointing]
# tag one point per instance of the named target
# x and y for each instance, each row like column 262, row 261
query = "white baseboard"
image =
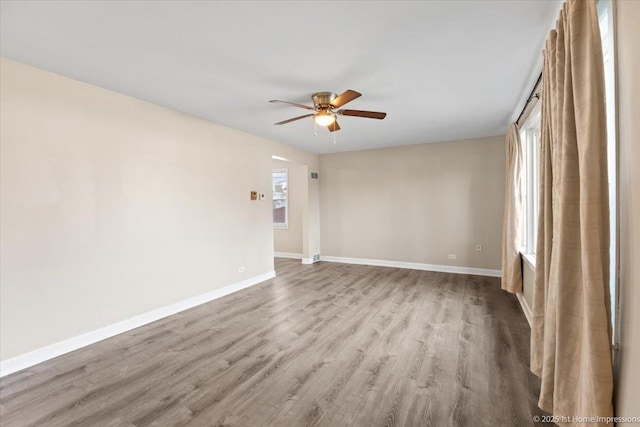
column 525, row 307
column 39, row 355
column 288, row 255
column 307, row 260
column 414, row 266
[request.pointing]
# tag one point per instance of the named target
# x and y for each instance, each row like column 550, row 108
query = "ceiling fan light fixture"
column 324, row 118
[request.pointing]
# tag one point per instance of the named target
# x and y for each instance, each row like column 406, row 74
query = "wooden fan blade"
column 294, row 119
column 346, row 96
column 294, row 104
column 360, row 113
column 334, row 126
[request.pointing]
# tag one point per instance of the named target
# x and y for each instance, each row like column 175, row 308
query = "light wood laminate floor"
column 325, row 344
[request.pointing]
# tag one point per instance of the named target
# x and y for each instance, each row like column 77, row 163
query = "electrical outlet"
column 453, row 256
column 241, row 269
column 478, row 247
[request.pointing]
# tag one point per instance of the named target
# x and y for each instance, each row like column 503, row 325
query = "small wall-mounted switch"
column 254, row 195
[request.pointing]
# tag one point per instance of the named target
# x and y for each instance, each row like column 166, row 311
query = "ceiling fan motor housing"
column 322, row 100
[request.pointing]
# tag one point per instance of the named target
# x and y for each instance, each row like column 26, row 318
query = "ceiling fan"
column 325, row 107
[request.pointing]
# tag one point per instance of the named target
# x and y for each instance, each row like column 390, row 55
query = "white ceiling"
column 442, row 70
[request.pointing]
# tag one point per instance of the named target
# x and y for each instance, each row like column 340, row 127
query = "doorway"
column 290, row 200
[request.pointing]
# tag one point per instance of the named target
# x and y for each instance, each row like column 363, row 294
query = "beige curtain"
column 512, row 225
column 571, row 331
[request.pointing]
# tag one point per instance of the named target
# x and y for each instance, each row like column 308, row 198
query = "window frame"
column 530, row 182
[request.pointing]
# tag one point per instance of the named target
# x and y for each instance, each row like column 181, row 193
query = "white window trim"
column 529, row 259
column 530, row 215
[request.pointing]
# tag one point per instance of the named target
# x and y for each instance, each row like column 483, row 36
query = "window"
column 605, row 18
column 530, row 140
column 280, row 188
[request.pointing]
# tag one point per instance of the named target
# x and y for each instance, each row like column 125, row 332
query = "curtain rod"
column 530, row 98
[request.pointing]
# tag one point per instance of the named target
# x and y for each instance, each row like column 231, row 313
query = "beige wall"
column 289, row 240
column 112, row 207
column 415, row 203
column 627, row 402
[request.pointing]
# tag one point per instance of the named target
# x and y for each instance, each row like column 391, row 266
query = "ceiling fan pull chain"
column 315, row 128
column 334, row 138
